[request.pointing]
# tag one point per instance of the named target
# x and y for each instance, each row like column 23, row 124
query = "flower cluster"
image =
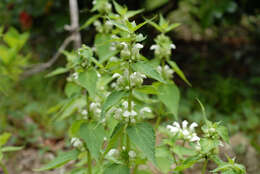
column 163, row 46
column 166, row 71
column 105, row 28
column 122, row 82
column 185, row 132
column 122, row 113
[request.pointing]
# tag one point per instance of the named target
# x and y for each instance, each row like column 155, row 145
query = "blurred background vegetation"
column 217, row 48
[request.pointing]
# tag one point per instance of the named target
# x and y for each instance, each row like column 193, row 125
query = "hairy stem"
column 89, row 163
column 203, row 171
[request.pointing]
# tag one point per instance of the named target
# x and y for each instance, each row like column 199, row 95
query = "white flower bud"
column 132, row 154
column 184, row 124
column 173, row 46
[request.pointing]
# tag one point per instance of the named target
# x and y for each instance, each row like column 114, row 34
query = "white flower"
column 76, row 142
column 138, row 46
column 173, row 129
column 112, row 152
column 184, row 124
column 127, row 114
column 125, row 104
column 98, row 75
column 75, row 75
column 84, row 112
column 173, row 46
column 133, row 113
column 109, row 23
column 94, row 2
column 145, row 109
column 154, row 47
column 132, row 154
column 124, row 44
column 116, row 75
column 105, row 138
column 194, row 138
column 176, row 124
column 124, row 148
column 193, row 125
column 133, row 120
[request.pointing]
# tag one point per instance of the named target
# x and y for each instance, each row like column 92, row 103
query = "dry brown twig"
column 74, row 36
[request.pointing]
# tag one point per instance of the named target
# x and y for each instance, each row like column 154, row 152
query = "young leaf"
column 145, row 68
column 57, row 72
column 143, row 136
column 111, row 100
column 119, row 9
column 62, row 159
column 88, row 80
column 90, row 21
column 178, row 71
column 187, row 163
column 223, row 133
column 117, row 169
column 93, row 135
column 169, row 95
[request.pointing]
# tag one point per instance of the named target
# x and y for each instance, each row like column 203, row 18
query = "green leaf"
column 62, row 159
column 147, row 69
column 169, row 95
column 223, row 133
column 57, row 72
column 10, row 148
column 71, row 88
column 143, row 136
column 70, row 107
column 121, row 26
column 93, row 135
column 102, row 44
column 88, row 80
column 117, row 169
column 90, row 21
column 187, row 163
column 172, row 26
column 132, row 13
column 178, row 71
column 120, row 9
column 118, row 130
column 111, row 100
column 4, row 138
column 207, row 145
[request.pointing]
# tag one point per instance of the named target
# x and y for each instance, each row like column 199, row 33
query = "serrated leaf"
column 120, row 9
column 169, row 95
column 132, row 13
column 117, row 169
column 143, row 136
column 172, row 26
column 88, row 80
column 62, row 159
column 120, row 26
column 93, row 136
column 145, row 68
column 57, row 72
column 71, row 88
column 70, row 107
column 111, row 100
column 178, row 71
column 187, row 163
column 102, row 44
column 223, row 133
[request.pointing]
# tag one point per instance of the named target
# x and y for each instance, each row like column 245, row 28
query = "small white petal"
column 173, row 129
column 184, row 124
column 126, row 114
column 194, row 138
column 138, row 45
column 116, row 75
column 145, row 109
column 176, row 124
column 185, row 132
column 154, row 47
column 173, row 46
column 193, row 125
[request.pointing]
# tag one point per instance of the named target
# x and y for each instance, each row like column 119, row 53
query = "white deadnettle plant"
column 114, row 93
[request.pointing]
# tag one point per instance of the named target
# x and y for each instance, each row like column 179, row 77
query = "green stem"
column 89, row 163
column 3, row 168
column 158, row 121
column 204, row 167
